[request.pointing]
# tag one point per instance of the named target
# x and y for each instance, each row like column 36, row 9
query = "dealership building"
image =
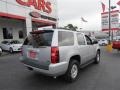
column 114, row 25
column 19, row 17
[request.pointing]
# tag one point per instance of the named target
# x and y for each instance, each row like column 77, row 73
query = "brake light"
column 54, row 55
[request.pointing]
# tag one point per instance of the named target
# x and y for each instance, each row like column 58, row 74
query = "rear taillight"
column 54, row 55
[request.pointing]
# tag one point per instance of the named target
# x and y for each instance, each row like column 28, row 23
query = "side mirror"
column 95, row 42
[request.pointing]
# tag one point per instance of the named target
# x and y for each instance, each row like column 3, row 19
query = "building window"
column 7, row 34
column 20, row 34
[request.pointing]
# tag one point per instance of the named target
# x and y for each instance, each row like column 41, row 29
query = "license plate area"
column 32, row 54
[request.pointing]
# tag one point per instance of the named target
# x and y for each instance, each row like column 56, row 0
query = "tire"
column 118, row 50
column 97, row 58
column 11, row 50
column 0, row 53
column 73, row 71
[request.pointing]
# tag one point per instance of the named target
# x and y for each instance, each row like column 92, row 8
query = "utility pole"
column 109, row 46
column 109, row 22
column 112, row 35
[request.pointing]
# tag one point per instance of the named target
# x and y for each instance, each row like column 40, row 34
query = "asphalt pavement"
column 104, row 76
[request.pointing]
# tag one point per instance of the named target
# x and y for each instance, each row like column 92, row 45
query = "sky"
column 71, row 11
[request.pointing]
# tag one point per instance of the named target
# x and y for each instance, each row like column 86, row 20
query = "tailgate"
column 39, row 58
column 37, row 49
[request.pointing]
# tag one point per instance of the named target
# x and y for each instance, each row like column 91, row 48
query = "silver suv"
column 56, row 52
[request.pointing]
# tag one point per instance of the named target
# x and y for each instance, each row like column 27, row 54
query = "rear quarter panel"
column 66, row 52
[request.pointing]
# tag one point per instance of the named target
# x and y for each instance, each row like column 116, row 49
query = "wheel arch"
column 11, row 48
column 98, row 50
column 75, row 57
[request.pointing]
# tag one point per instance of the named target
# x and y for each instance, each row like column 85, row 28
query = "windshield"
column 15, row 42
column 39, row 38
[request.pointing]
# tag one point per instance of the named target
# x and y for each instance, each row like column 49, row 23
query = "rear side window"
column 39, row 38
column 65, row 38
column 81, row 39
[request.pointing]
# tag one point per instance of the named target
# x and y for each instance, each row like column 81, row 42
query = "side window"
column 89, row 41
column 81, row 40
column 4, row 42
column 65, row 38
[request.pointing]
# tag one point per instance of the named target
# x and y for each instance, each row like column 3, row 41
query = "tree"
column 71, row 27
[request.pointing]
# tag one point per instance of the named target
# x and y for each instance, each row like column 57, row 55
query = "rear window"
column 39, row 38
column 65, row 38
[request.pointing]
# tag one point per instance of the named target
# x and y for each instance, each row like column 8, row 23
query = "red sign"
column 35, row 14
column 41, row 5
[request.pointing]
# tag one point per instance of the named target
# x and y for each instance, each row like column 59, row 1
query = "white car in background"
column 102, row 42
column 0, row 51
column 11, row 46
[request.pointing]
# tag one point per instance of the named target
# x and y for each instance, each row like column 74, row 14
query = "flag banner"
column 83, row 19
column 103, row 7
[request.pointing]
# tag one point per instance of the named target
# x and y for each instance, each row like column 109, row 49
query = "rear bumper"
column 16, row 49
column 116, row 46
column 0, row 52
column 53, row 69
column 103, row 44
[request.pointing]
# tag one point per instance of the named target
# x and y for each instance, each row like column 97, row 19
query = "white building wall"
column 13, row 8
column 14, row 25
